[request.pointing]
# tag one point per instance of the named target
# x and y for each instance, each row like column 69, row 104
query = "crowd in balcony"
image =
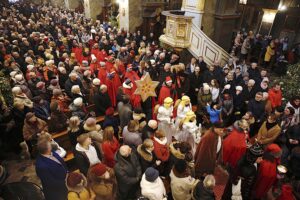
column 61, row 72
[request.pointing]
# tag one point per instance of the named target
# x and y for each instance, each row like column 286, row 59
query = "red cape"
column 234, row 147
column 266, row 178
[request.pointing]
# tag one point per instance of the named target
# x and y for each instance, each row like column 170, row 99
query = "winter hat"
column 151, row 174
column 109, row 111
column 168, row 79
column 91, row 125
column 227, row 87
column 74, row 178
column 180, row 166
column 40, row 85
column 274, row 150
column 19, row 77
column 239, row 88
column 96, row 81
column 30, row 67
column 256, row 150
column 98, row 169
column 78, row 102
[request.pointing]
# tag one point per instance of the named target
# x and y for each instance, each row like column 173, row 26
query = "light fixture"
column 269, row 15
column 244, row 2
column 282, row 8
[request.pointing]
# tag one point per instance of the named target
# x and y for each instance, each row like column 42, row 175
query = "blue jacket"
column 213, row 114
column 52, row 175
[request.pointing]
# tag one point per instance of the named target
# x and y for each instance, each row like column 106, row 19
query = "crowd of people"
column 60, row 71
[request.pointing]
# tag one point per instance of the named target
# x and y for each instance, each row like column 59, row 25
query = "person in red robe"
column 102, row 73
column 208, row 149
column 94, row 65
column 235, row 144
column 101, row 55
column 113, row 83
column 275, row 96
column 135, row 100
column 167, row 90
column 120, row 68
column 267, row 171
column 95, row 49
column 286, row 193
column 132, row 75
column 110, row 63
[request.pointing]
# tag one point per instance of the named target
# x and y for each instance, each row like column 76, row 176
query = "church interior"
column 149, row 100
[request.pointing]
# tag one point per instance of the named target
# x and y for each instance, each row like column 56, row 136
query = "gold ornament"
column 146, row 87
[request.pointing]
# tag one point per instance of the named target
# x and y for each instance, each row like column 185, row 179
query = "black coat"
column 82, row 160
column 146, row 159
column 102, row 102
column 257, row 109
column 128, row 173
column 202, row 193
column 69, row 84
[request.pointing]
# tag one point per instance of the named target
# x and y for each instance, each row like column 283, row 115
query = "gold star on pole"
column 146, row 87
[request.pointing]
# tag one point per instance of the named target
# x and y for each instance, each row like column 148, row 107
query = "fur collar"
column 144, row 154
column 176, row 152
column 77, row 188
column 164, row 142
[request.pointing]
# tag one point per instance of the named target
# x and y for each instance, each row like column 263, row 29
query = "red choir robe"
column 101, row 55
column 113, row 83
column 109, row 65
column 135, row 100
column 165, row 92
column 102, row 74
column 94, row 67
column 234, row 147
column 78, row 53
column 95, row 52
column 286, row 193
column 133, row 76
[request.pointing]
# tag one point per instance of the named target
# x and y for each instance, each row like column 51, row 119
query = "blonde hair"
column 133, row 126
column 74, row 123
column 82, row 138
column 209, row 182
column 108, row 134
column 147, row 143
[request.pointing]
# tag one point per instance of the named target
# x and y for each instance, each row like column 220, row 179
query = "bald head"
column 125, row 150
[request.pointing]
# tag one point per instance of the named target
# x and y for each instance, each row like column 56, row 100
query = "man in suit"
column 52, row 171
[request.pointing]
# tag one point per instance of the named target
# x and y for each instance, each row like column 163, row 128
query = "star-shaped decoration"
column 146, row 87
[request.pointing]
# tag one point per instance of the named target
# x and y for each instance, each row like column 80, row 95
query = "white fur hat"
column 239, row 88
column 19, row 77
column 78, row 101
column 96, row 81
column 227, row 87
column 30, row 67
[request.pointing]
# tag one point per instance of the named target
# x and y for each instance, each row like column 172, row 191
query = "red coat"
column 266, row 178
column 234, row 147
column 109, row 150
column 161, row 151
column 275, row 97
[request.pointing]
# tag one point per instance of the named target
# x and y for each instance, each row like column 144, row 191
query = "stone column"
column 194, row 8
column 71, row 4
column 92, row 8
column 219, row 21
column 130, row 15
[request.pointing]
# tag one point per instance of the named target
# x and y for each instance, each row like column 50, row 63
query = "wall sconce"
column 244, row 2
column 269, row 15
column 282, row 7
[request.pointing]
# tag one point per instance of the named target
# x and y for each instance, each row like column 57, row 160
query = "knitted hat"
column 239, row 88
column 168, row 79
column 256, row 150
column 96, row 81
column 98, row 169
column 274, row 150
column 109, row 111
column 151, row 174
column 73, row 179
column 78, row 101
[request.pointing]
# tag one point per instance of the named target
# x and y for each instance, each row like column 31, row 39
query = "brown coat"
column 268, row 136
column 206, row 154
column 30, row 131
